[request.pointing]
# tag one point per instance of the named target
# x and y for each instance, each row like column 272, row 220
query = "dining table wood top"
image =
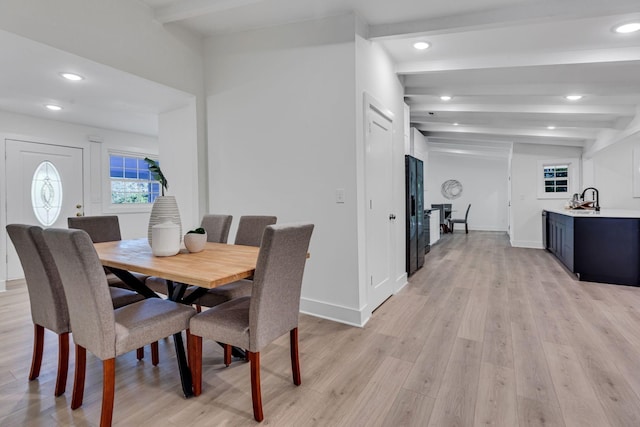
column 216, row 265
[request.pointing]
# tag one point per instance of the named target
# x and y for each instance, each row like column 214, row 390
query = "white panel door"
column 57, row 192
column 379, row 201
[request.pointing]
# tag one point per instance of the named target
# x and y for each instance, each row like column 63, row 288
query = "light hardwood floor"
column 483, row 335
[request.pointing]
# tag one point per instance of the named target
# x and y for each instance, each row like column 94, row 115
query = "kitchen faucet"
column 597, row 196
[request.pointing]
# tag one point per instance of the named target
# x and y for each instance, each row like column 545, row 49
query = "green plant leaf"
column 157, row 174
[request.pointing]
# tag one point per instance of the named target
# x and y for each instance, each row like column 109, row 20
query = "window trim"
column 573, row 174
column 109, row 207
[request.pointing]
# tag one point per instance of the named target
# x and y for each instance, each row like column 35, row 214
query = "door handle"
column 392, row 216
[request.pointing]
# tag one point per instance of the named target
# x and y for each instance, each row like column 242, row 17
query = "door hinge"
column 371, row 281
column 370, row 204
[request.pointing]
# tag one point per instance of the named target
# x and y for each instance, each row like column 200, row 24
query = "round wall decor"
column 451, row 189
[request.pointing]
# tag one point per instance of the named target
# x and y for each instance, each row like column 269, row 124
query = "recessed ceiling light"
column 573, row 97
column 456, row 124
column 445, row 98
column 421, row 45
column 631, row 27
column 53, row 107
column 71, row 76
column 551, row 127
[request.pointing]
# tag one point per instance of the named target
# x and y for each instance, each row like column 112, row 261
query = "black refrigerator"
column 415, row 235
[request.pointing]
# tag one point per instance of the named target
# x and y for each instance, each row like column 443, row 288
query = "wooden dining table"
column 216, row 265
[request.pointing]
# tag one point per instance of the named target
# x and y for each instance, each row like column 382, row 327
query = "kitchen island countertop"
column 603, row 213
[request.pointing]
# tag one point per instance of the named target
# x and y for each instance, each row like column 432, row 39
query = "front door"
column 379, row 202
column 43, row 187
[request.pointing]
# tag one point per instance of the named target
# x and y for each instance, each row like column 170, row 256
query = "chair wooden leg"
column 155, row 359
column 38, row 346
column 63, row 363
column 108, row 391
column 195, row 362
column 140, row 353
column 256, row 395
column 78, row 378
column 198, row 308
column 227, row 354
column 295, row 359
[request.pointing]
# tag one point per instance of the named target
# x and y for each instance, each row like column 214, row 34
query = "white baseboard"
column 342, row 314
column 531, row 244
column 337, row 313
column 401, row 282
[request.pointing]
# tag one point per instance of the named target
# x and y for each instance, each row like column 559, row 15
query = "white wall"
column 484, row 185
column 281, row 134
column 526, row 226
column 17, row 126
column 612, row 175
column 177, row 143
column 420, row 150
column 376, row 77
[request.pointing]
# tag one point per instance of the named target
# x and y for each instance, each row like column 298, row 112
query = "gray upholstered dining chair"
column 453, row 221
column 250, row 229
column 47, row 299
column 217, row 227
column 103, row 228
column 271, row 311
column 105, row 332
column 106, row 228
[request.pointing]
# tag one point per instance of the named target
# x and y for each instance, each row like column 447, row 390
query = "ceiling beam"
column 537, row 132
column 485, row 137
column 521, row 136
column 469, row 152
column 528, row 59
column 619, row 110
column 185, row 9
column 628, row 94
column 565, row 122
column 518, row 14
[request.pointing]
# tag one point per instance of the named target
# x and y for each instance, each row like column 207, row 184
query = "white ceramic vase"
column 164, row 207
column 166, row 238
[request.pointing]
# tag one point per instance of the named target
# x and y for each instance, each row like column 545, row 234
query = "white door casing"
column 22, row 160
column 379, row 202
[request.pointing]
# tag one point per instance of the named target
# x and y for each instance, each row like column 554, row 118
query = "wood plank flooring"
column 483, row 335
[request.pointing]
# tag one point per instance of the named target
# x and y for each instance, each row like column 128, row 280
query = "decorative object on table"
column 195, row 240
column 165, row 238
column 451, row 189
column 163, row 206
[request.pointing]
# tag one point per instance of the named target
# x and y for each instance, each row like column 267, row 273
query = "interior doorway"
column 379, row 186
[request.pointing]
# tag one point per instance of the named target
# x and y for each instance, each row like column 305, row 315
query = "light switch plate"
column 340, row 195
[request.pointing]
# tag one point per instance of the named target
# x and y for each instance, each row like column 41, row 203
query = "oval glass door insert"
column 46, row 193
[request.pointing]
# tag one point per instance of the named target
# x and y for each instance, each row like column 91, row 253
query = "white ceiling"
column 106, row 98
column 507, row 64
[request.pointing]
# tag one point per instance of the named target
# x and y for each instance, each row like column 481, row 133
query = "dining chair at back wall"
column 249, row 233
